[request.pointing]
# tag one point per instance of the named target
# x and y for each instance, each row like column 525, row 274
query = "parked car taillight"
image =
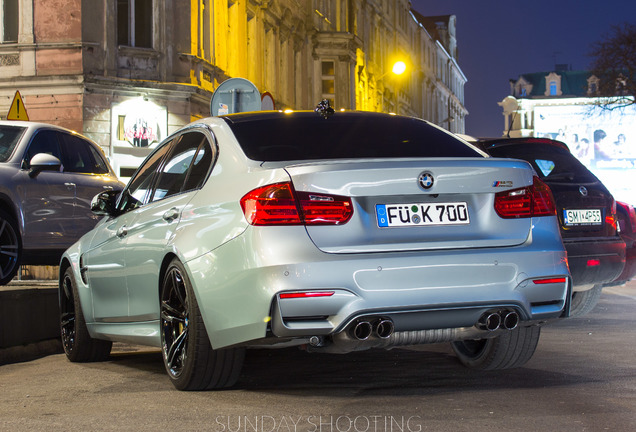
column 611, row 219
column 530, row 201
column 280, row 204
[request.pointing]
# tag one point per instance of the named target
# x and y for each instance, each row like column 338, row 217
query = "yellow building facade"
column 103, row 67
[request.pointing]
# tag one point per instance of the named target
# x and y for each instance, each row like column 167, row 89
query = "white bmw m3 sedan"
column 333, row 232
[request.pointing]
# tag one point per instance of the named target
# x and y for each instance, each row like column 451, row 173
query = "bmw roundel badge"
column 426, row 180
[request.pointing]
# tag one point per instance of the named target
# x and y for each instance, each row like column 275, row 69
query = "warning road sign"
column 17, row 111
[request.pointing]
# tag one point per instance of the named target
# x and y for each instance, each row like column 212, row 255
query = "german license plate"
column 418, row 214
column 583, row 217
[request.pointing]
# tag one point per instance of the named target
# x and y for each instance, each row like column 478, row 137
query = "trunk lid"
column 416, row 204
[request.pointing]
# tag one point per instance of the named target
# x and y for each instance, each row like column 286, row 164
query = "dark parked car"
column 586, row 212
column 48, row 177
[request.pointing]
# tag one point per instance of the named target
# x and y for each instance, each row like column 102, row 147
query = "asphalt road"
column 582, row 378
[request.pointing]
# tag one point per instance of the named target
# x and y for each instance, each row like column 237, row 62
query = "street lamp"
column 399, row 67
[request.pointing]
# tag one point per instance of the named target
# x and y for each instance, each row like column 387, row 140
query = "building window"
column 329, row 81
column 10, row 20
column 134, row 23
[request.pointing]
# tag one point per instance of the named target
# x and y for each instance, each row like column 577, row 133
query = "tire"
column 78, row 345
column 10, row 248
column 188, row 356
column 510, row 350
column 584, row 301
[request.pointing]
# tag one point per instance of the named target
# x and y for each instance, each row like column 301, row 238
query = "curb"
column 33, row 351
column 29, row 321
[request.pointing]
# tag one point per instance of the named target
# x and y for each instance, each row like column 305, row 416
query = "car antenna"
column 324, row 109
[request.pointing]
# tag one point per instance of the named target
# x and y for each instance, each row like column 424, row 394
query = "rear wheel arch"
column 6, row 204
column 162, row 271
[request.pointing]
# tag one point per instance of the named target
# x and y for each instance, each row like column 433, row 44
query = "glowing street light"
column 399, row 67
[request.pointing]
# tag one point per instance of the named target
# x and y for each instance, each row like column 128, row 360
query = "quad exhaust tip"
column 384, row 328
column 505, row 319
column 381, row 328
column 362, row 330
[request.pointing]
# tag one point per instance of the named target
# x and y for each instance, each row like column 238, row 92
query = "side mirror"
column 43, row 162
column 104, row 203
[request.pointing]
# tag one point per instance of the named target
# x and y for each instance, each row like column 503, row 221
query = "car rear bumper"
column 418, row 291
column 594, row 261
column 629, row 271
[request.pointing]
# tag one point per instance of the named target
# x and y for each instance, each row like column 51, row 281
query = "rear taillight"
column 530, row 201
column 280, row 204
column 610, row 219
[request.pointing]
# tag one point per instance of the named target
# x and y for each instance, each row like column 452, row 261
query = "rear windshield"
column 274, row 137
column 552, row 163
column 9, row 138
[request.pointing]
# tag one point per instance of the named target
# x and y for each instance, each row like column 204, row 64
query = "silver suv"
column 48, row 177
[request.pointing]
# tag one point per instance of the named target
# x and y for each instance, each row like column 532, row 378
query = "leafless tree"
column 614, row 64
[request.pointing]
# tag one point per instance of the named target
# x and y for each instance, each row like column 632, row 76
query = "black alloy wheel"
column 78, row 345
column 190, row 360
column 67, row 315
column 174, row 322
column 10, row 248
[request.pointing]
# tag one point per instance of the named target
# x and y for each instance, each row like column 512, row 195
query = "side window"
column 200, row 167
column 138, row 191
column 44, row 141
column 174, row 173
column 79, row 156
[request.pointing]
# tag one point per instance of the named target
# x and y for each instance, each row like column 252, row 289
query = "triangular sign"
column 17, row 111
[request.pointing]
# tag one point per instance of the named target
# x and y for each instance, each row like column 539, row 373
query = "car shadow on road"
column 427, row 371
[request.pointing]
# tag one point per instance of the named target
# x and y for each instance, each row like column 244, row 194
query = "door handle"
column 122, row 231
column 171, row 214
column 69, row 185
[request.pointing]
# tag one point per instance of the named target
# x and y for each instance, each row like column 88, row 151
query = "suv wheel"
column 584, row 301
column 10, row 248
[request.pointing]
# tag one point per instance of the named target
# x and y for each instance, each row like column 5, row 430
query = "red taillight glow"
column 549, row 280
column 535, row 200
column 280, row 204
column 306, row 294
column 593, row 262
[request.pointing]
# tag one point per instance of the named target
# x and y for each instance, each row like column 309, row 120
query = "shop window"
column 134, row 23
column 10, row 21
